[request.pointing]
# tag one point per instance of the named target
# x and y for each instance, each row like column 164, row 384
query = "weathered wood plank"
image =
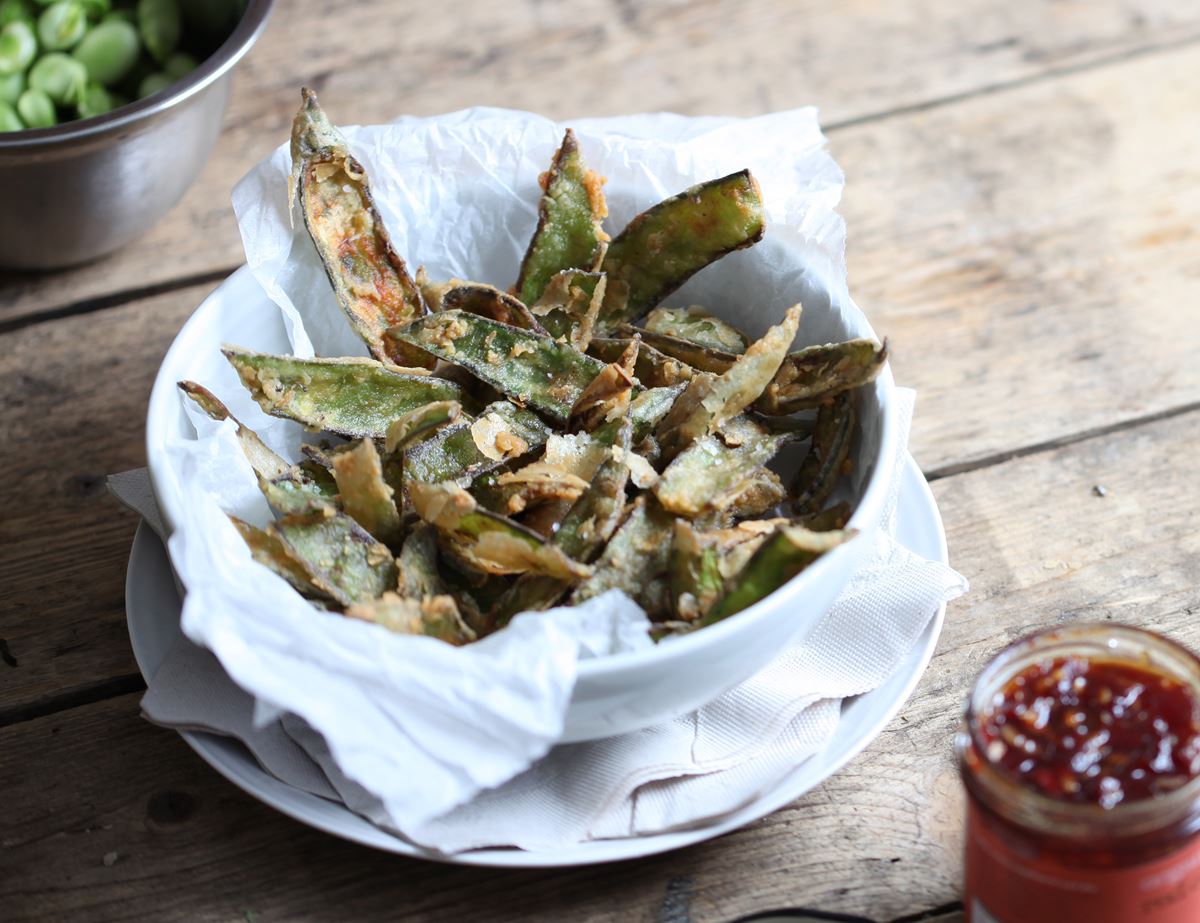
column 881, row 839
column 75, row 394
column 1028, row 253
column 375, row 60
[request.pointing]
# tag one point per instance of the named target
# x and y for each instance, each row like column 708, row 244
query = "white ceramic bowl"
column 627, row 691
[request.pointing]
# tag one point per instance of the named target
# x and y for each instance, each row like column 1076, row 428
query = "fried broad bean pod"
column 581, row 534
column 295, row 493
column 514, row 492
column 694, row 571
column 461, row 451
column 489, row 541
column 780, row 558
column 434, row 292
column 708, row 401
column 262, row 458
column 353, row 397
column 664, row 246
column 421, row 578
column 811, row 376
column 646, row 410
column 432, row 616
column 634, row 557
column 760, row 493
column 827, row 455
column 342, row 559
column 833, row 517
column 321, row 479
column 738, row 544
column 488, row 301
column 711, row 475
column 531, row 369
column 568, row 234
column 702, row 560
column 570, row 305
column 417, row 562
column 607, row 397
column 806, row 378
column 409, row 430
column 365, row 495
column 369, row 278
column 653, row 369
column 270, row 551
column 700, row 358
column 696, row 325
column 582, row 454
column 288, row 489
column 417, row 424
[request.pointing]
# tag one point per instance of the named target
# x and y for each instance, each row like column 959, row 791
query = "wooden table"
column 1023, row 201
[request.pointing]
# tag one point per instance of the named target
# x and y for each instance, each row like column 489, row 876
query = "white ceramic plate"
column 153, row 607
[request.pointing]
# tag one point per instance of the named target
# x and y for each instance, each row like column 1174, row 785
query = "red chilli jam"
column 1080, row 752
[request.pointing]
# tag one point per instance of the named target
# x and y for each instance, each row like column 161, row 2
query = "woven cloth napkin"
column 691, row 771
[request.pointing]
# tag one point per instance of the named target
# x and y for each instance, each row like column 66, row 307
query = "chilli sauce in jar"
column 1080, row 753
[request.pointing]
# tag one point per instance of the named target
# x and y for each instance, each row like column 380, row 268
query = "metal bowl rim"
column 212, row 69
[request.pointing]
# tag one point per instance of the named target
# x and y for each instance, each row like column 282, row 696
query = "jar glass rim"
column 1071, row 820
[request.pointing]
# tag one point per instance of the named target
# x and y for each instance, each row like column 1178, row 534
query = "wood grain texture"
column 75, row 394
column 1030, row 254
column 377, row 59
column 882, row 838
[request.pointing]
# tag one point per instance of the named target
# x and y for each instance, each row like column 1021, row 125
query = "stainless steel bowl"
column 82, row 189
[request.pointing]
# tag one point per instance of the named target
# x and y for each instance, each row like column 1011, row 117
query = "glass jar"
column 1033, row 858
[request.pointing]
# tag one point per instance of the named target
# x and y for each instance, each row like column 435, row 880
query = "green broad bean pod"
column 11, row 87
column 62, row 25
column 109, row 51
column 179, row 65
column 18, row 47
column 60, row 77
column 15, row 11
column 9, row 119
column 36, row 109
column 95, row 100
column 161, row 27
column 153, row 83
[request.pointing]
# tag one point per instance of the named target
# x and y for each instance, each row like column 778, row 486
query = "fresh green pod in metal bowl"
column 11, row 87
column 16, row 11
column 95, row 100
column 60, row 77
column 109, row 51
column 10, row 120
column 161, row 27
column 62, row 25
column 36, row 109
column 18, row 47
